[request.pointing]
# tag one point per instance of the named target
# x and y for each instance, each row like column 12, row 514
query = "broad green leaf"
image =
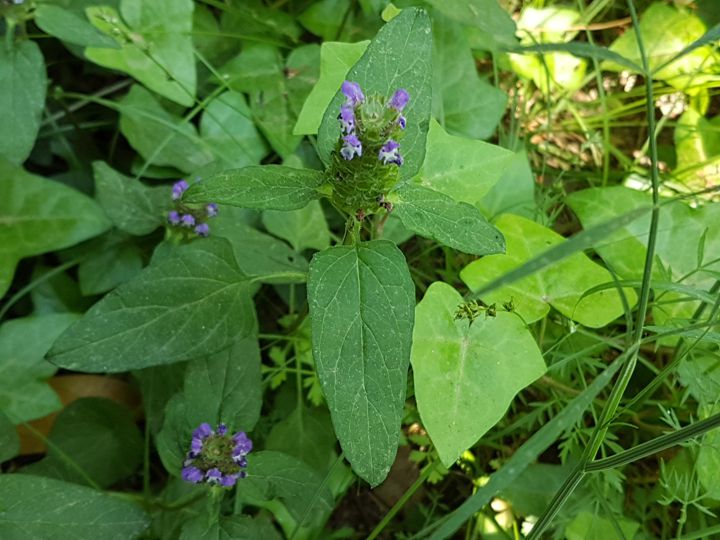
column 336, row 59
column 224, row 387
column 302, row 70
column 268, row 187
column 464, row 169
column 534, row 489
column 687, row 246
column 39, row 215
column 192, row 302
column 160, row 53
column 398, row 57
column 303, row 228
column 325, row 17
column 92, row 439
column 227, row 127
column 434, row 215
column 228, row 528
column 9, row 440
column 71, row 26
column 109, row 266
column 486, row 15
column 274, row 475
column 258, row 67
column 463, row 103
column 36, row 507
column 159, row 137
column 158, row 384
column 257, row 22
column 59, row 293
column 589, row 526
column 561, row 285
column 259, row 255
column 307, row 435
column 362, row 301
column 666, row 31
column 477, row 368
column 22, row 98
column 556, row 68
column 697, row 147
column 132, row 206
column 514, row 192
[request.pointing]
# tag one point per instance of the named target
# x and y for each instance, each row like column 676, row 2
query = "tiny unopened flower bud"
column 352, row 147
column 178, row 189
column 401, row 121
column 399, row 99
column 212, row 210
column 353, row 93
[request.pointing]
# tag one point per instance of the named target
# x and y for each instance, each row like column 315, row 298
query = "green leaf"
column 92, row 439
column 561, row 285
column 268, row 187
column 71, row 26
column 325, row 17
column 159, row 137
column 362, row 301
column 486, row 15
column 463, row 103
column 398, row 57
column 336, row 59
column 132, row 206
column 307, row 435
column 666, row 31
column 534, row 489
column 708, row 458
column 259, row 23
column 192, row 302
column 477, row 367
column 222, row 388
column 274, row 475
column 589, row 526
column 109, row 266
column 303, row 228
column 259, row 255
column 24, row 392
column 36, row 507
column 39, row 215
column 258, row 67
column 158, row 384
column 9, row 440
column 456, row 224
column 160, row 53
column 302, row 70
column 579, row 49
column 22, row 98
column 227, row 127
column 697, row 146
column 228, row 528
column 514, row 192
column 464, row 169
column 684, row 232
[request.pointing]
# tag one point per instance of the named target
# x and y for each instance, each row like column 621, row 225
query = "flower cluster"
column 190, row 218
column 216, row 457
column 377, row 118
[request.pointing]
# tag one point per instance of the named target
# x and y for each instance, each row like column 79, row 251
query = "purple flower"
column 213, row 476
column 178, row 189
column 203, row 431
column 221, row 429
column 242, row 442
column 212, row 210
column 196, row 446
column 192, row 474
column 347, row 119
column 399, row 99
column 401, row 121
column 352, row 147
column 187, row 220
column 229, row 480
column 390, row 153
column 353, row 93
column 203, row 229
column 173, row 217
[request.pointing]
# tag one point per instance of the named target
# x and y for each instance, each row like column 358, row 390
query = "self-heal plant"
column 185, row 217
column 216, row 457
column 364, row 167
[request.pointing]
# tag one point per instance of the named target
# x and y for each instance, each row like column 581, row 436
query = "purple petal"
column 390, row 153
column 173, row 217
column 203, row 230
column 212, row 210
column 203, row 431
column 353, row 93
column 401, row 121
column 347, row 118
column 243, row 444
column 196, row 446
column 213, row 476
column 178, row 189
column 221, row 429
column 399, row 99
column 187, row 220
column 229, row 480
column 192, row 474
